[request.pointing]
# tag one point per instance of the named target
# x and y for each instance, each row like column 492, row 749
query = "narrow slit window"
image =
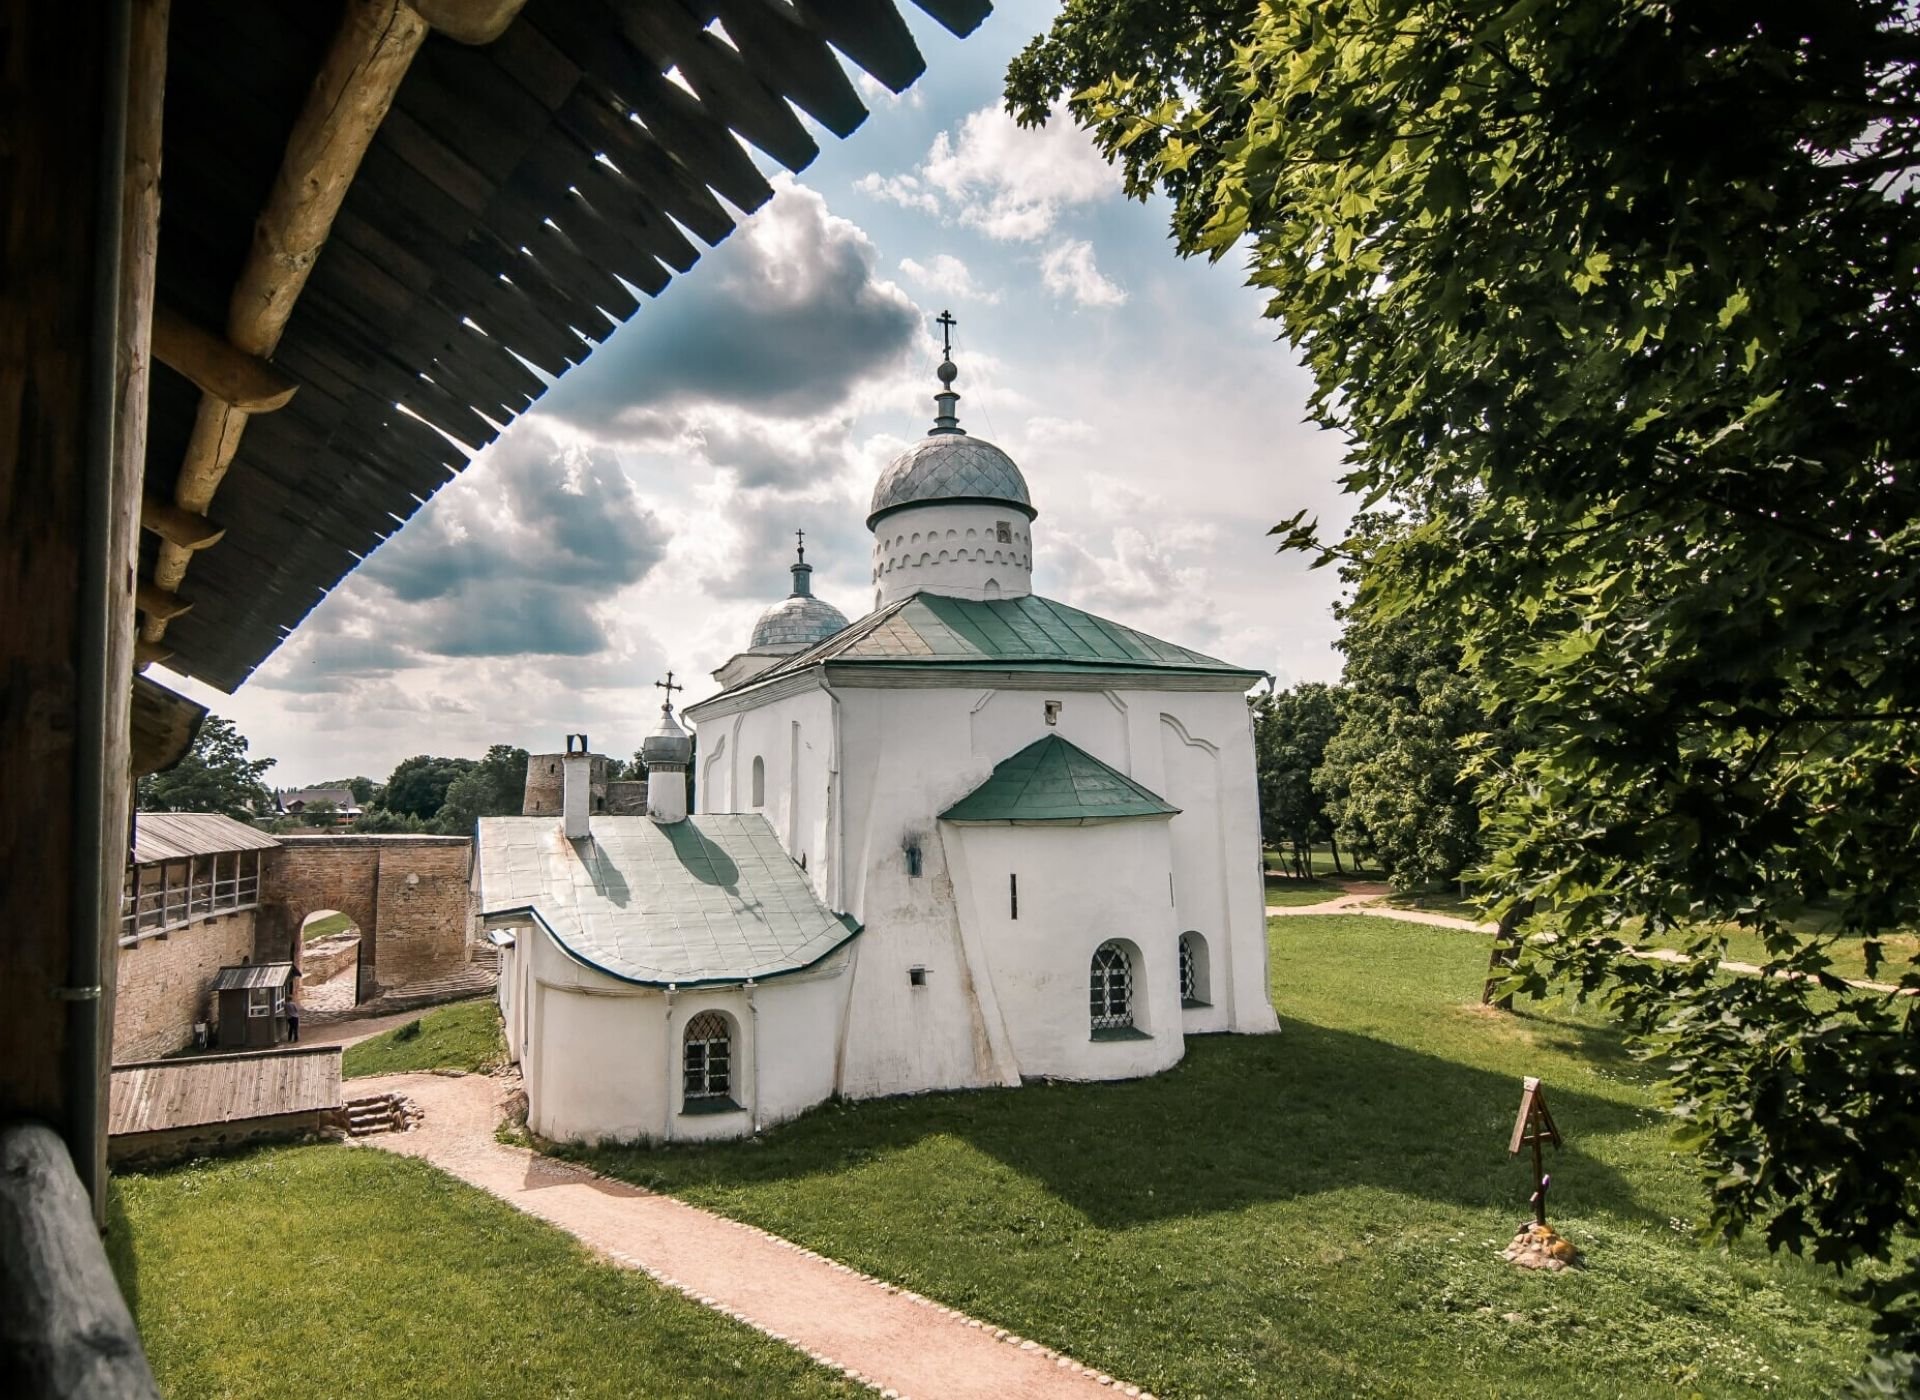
column 1013, row 896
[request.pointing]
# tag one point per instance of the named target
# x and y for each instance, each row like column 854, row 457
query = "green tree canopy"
column 1618, row 299
column 1291, row 730
column 493, row 787
column 418, row 785
column 215, row 776
column 1394, row 777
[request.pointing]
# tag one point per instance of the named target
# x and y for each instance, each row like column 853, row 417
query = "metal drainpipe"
column 671, row 992
column 85, row 931
column 753, row 1023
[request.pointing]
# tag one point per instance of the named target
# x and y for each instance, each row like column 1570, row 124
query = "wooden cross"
column 946, row 323
column 1531, row 1127
column 668, row 686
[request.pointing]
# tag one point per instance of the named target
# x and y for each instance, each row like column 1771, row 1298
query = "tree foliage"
column 493, row 787
column 1617, row 299
column 1291, row 730
column 418, row 785
column 1394, row 776
column 215, row 776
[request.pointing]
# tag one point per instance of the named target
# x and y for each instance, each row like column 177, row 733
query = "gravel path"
column 885, row 1337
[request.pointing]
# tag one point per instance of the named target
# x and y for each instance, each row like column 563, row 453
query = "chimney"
column 576, row 787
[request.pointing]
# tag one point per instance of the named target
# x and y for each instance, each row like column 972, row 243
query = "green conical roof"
column 1053, row 781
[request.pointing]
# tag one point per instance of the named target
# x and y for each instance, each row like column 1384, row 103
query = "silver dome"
column 950, row 466
column 801, row 618
column 668, row 743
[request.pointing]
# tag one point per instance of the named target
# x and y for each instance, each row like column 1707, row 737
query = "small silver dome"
column 668, row 743
column 801, row 618
column 950, row 466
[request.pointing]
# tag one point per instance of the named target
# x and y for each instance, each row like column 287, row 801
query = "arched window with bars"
column 707, row 1063
column 1194, row 978
column 1111, row 998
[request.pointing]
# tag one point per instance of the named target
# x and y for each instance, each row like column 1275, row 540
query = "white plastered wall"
column 953, row 549
column 603, row 1060
column 1079, row 887
column 893, row 758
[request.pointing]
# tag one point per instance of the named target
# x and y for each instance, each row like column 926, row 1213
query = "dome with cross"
column 800, row 618
column 951, row 514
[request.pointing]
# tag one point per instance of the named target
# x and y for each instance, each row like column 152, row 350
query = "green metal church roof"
column 1026, row 633
column 1053, row 781
column 710, row 899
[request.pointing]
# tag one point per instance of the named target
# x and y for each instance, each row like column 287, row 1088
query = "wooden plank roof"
column 154, row 1095
column 517, row 203
column 159, row 836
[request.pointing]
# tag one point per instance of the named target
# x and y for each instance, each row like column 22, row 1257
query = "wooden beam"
column 68, row 1329
column 370, row 54
column 243, row 381
column 469, row 21
column 157, row 602
column 182, row 528
column 147, row 654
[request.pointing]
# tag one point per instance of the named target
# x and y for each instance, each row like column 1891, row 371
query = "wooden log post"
column 64, row 1327
column 80, row 184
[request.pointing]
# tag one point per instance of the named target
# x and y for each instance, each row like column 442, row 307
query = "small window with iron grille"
column 707, row 1060
column 1112, row 990
column 1193, row 970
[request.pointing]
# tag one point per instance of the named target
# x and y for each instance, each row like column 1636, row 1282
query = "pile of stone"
column 1539, row 1247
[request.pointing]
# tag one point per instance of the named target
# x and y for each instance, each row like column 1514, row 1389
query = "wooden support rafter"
column 370, row 54
column 239, row 380
column 178, row 527
column 156, row 602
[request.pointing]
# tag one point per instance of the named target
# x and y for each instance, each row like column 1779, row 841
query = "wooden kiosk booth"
column 251, row 1004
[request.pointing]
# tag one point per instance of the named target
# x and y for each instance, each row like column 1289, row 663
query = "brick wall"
column 406, row 894
column 422, row 918
column 162, row 984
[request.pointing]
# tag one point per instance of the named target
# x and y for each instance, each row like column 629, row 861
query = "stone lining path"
column 884, row 1337
column 1363, row 897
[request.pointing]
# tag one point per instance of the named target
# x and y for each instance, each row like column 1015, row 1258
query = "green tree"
column 1291, row 730
column 319, row 812
column 418, row 785
column 378, row 821
column 215, row 776
column 1620, row 298
column 493, row 787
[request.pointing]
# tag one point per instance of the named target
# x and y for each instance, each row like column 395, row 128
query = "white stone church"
column 974, row 837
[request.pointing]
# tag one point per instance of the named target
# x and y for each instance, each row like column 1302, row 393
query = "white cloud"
column 904, row 190
column 1008, row 181
column 947, row 275
column 1068, row 270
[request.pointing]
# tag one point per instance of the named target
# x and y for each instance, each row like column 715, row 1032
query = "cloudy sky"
column 642, row 516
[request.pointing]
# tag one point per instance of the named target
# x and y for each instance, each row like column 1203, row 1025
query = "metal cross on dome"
column 801, row 536
column 946, row 324
column 668, row 686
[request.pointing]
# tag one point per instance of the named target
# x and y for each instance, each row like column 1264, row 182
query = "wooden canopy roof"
column 516, row 201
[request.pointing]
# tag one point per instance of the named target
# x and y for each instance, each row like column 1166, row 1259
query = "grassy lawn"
column 1314, row 1214
column 1897, row 952
column 465, row 1036
column 1291, row 890
column 325, row 927
column 334, row 1271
